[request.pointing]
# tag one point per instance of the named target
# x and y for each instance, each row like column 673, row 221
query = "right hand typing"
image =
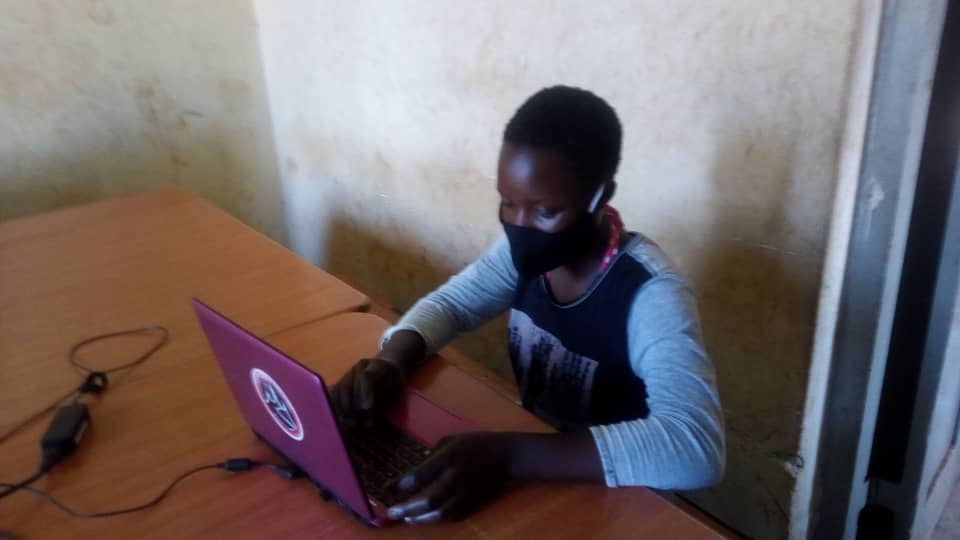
column 370, row 386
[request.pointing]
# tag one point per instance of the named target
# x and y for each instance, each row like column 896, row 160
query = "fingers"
column 363, row 389
column 453, row 509
column 345, row 393
column 429, row 499
column 425, row 473
column 343, row 398
column 369, row 385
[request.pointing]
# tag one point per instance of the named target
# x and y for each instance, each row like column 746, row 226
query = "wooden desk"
column 149, row 430
column 133, row 261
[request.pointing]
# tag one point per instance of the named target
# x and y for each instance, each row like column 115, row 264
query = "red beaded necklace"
column 613, row 244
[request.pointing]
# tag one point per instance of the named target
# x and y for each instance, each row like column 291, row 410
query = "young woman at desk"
column 604, row 334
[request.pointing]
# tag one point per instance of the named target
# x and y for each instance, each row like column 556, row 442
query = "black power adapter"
column 60, row 440
column 64, row 434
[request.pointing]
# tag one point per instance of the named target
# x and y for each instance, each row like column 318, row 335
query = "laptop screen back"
column 286, row 404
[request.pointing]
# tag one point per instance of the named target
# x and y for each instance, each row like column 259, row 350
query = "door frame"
column 848, row 373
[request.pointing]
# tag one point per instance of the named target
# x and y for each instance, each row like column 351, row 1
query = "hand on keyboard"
column 462, row 473
column 369, row 387
column 381, row 454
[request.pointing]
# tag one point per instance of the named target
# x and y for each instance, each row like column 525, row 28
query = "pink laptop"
column 287, row 406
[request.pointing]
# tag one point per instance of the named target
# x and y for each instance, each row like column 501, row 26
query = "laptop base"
column 323, row 491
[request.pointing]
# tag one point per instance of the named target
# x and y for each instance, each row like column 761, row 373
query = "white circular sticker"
column 277, row 404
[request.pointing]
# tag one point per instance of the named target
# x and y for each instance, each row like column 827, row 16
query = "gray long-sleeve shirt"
column 561, row 355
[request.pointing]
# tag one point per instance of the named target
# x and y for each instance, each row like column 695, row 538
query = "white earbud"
column 596, row 198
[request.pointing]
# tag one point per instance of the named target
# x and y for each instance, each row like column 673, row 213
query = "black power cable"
column 96, row 380
column 231, row 465
column 71, row 421
column 11, row 488
column 163, row 333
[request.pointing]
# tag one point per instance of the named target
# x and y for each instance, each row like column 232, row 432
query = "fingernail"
column 395, row 513
column 406, row 482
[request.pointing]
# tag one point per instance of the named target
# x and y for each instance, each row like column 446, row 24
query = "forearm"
column 553, row 456
column 475, row 296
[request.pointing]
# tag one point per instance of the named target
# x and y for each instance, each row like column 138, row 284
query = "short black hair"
column 579, row 125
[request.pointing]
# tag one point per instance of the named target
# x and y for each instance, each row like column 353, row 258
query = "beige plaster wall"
column 103, row 97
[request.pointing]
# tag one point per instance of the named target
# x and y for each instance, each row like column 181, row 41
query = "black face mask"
column 535, row 252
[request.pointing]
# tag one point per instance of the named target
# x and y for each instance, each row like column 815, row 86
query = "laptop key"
column 381, row 454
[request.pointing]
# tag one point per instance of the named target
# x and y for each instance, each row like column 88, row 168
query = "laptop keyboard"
column 381, row 455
